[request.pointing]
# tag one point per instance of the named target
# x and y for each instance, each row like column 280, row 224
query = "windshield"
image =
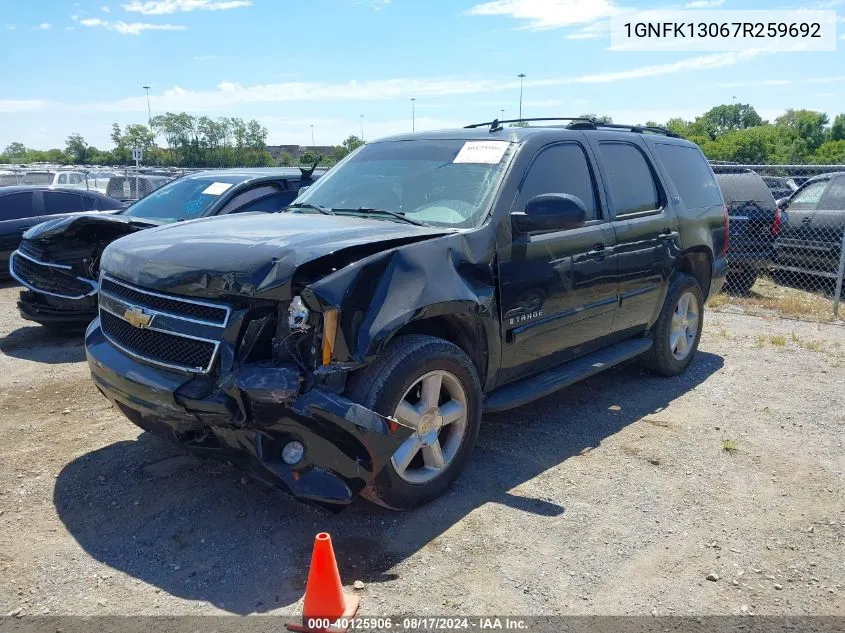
column 439, row 182
column 183, row 199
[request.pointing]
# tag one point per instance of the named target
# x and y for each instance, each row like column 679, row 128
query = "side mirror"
column 302, row 190
column 782, row 202
column 550, row 212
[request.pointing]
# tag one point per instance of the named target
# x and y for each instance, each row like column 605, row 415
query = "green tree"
column 15, row 150
column 830, row 153
column 837, row 130
column 807, row 124
column 350, row 144
column 601, row 119
column 728, row 117
column 76, row 148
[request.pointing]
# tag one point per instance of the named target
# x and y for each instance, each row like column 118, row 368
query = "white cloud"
column 69, row 28
column 591, row 31
column 131, row 28
column 230, row 94
column 165, row 7
column 10, row 27
column 105, row 9
column 704, row 4
column 44, row 26
column 546, row 14
column 74, row 17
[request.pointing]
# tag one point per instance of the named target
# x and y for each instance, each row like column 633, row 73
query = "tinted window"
column 834, row 199
column 58, row 202
column 629, row 179
column 89, row 203
column 562, row 169
column 809, row 196
column 269, row 204
column 182, row 199
column 16, row 205
column 745, row 187
column 691, row 174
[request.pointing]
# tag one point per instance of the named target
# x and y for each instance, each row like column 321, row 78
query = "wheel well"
column 465, row 331
column 699, row 265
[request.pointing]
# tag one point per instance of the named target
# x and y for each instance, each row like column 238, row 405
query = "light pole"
column 313, row 145
column 362, row 128
column 503, row 114
column 413, row 115
column 149, row 112
column 521, row 77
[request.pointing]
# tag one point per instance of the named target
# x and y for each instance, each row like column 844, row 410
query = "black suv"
column 755, row 221
column 351, row 343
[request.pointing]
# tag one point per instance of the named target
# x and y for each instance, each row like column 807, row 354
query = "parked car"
column 781, row 187
column 131, row 187
column 99, row 181
column 23, row 207
column 66, row 179
column 351, row 342
column 8, row 177
column 58, row 262
column 755, row 221
column 811, row 242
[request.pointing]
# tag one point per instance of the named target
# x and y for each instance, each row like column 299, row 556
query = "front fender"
column 378, row 295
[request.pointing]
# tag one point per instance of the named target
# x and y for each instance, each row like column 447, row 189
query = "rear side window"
column 691, row 174
column 16, row 206
column 58, row 202
column 834, row 199
column 808, row 198
column 629, row 179
column 562, row 169
column 90, row 203
column 269, row 204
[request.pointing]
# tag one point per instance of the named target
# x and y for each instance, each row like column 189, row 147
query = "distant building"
column 295, row 151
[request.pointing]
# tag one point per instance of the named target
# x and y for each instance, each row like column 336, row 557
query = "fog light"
column 292, row 453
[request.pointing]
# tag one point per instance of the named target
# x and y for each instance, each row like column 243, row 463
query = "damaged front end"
column 58, row 264
column 247, row 357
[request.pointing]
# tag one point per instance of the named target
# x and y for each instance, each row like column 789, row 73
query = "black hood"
column 71, row 225
column 251, row 254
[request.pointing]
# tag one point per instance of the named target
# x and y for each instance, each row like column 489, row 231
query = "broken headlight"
column 298, row 315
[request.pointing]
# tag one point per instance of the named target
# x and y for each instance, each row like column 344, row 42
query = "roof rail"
column 580, row 123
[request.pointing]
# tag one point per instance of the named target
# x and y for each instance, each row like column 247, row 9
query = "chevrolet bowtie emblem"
column 138, row 318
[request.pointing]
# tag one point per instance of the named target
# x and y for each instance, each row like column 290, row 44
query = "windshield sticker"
column 485, row 152
column 217, row 188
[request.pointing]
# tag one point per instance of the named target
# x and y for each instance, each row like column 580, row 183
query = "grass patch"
column 813, row 346
column 777, row 340
column 729, row 446
column 767, row 296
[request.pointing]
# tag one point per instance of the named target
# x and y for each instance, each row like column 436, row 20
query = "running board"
column 534, row 387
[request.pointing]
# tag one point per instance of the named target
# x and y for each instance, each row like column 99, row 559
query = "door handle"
column 598, row 249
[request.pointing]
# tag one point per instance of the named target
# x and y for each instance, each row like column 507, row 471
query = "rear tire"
column 425, row 381
column 678, row 328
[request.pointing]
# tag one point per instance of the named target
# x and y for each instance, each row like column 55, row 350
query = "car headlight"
column 298, row 315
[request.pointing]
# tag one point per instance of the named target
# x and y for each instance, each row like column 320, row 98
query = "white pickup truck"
column 62, row 178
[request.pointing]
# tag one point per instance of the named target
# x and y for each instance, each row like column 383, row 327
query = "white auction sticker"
column 486, row 152
column 217, row 188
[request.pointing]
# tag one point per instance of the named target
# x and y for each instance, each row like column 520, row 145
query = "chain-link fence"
column 787, row 239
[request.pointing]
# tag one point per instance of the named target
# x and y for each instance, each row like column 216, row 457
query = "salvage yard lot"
column 619, row 495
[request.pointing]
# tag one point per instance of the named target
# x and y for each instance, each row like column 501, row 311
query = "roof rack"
column 581, row 123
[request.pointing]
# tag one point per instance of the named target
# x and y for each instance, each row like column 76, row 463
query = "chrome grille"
column 52, row 279
column 166, row 330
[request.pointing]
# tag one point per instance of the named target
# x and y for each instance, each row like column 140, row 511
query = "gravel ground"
column 615, row 496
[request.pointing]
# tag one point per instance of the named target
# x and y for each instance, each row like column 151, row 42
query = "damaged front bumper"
column 248, row 416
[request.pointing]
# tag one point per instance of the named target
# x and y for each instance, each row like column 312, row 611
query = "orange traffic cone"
column 325, row 602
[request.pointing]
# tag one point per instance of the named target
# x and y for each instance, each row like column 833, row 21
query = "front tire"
column 677, row 331
column 432, row 385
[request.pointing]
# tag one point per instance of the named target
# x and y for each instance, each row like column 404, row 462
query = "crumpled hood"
column 71, row 225
column 251, row 254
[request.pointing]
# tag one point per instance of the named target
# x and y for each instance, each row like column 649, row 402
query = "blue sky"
column 78, row 66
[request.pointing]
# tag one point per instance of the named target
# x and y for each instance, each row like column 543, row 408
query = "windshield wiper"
column 393, row 214
column 308, row 205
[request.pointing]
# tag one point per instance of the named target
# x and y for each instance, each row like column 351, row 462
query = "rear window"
column 747, row 187
column 691, row 174
column 37, row 179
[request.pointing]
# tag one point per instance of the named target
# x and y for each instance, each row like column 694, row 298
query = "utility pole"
column 413, row 115
column 149, row 112
column 313, row 145
column 521, row 77
column 503, row 114
column 362, row 128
